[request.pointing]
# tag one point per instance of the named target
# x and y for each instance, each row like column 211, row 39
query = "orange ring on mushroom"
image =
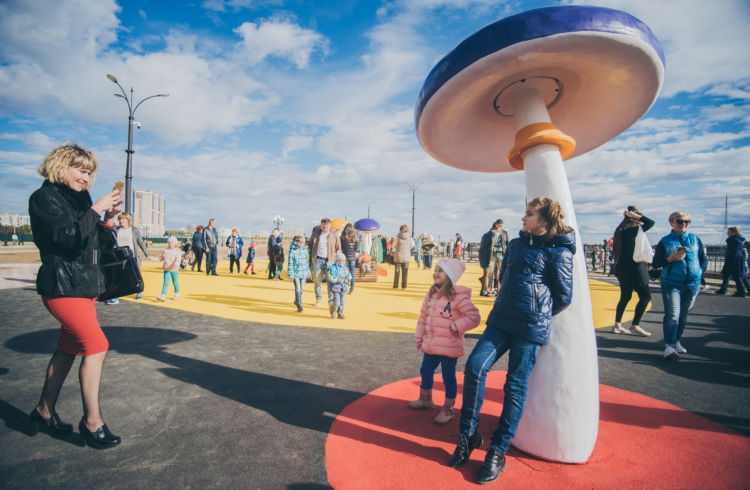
column 539, row 134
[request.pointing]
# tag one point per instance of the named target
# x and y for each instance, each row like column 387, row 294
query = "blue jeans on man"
column 678, row 301
column 521, row 359
column 319, row 275
column 212, row 257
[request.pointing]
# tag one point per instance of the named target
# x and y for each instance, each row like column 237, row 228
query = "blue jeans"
column 430, row 362
column 428, row 261
column 351, row 264
column 678, row 301
column 521, row 359
column 319, row 274
column 337, row 296
column 299, row 286
column 212, row 257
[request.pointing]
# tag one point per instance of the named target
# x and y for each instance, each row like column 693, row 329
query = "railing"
column 714, row 254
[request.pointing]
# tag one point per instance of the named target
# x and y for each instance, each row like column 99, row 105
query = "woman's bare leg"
column 57, row 370
column 90, row 375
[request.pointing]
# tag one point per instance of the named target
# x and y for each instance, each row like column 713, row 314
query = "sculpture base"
column 378, row 442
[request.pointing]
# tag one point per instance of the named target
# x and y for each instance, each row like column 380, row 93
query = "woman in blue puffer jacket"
column 537, row 279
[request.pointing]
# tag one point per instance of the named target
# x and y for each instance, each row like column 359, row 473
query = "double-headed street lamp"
column 130, row 151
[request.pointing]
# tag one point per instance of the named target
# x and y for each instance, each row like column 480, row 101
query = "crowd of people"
column 69, row 231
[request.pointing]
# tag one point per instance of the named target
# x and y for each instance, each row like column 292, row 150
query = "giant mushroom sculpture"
column 338, row 224
column 367, row 226
column 489, row 106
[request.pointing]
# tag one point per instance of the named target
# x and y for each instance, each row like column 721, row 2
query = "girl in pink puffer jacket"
column 447, row 313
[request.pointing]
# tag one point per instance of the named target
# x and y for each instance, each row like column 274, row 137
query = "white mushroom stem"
column 561, row 417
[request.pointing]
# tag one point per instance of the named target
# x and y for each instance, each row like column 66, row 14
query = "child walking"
column 537, row 282
column 447, row 314
column 338, row 276
column 250, row 258
column 171, row 258
column 298, row 268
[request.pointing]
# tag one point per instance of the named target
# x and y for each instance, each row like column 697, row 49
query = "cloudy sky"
column 306, row 109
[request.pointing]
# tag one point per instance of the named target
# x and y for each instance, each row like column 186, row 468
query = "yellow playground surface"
column 374, row 306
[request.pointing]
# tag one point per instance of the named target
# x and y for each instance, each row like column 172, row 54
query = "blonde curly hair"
column 55, row 164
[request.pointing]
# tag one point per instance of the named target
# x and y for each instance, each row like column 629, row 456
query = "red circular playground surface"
column 378, row 442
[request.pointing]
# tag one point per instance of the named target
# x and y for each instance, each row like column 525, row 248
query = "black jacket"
column 349, row 248
column 67, row 233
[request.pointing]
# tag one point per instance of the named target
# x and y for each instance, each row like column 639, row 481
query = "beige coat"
column 334, row 244
column 403, row 245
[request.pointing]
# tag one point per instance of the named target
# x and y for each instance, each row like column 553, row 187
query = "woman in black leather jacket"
column 68, row 230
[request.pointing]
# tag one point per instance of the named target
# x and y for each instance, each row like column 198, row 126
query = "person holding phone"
column 683, row 260
column 68, row 228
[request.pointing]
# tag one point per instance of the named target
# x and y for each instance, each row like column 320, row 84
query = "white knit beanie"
column 453, row 268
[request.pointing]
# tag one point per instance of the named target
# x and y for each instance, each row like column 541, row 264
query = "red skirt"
column 80, row 333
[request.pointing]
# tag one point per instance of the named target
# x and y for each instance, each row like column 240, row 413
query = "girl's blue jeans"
column 430, row 362
column 521, row 359
column 351, row 264
column 173, row 275
column 678, row 301
column 299, row 286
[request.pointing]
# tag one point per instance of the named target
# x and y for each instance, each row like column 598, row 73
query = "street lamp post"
column 413, row 188
column 130, row 151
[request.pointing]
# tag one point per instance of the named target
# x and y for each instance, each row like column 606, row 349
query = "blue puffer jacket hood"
column 537, row 283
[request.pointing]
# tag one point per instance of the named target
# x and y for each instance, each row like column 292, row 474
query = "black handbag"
column 122, row 276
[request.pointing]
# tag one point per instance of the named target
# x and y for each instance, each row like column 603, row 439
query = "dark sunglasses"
column 682, row 221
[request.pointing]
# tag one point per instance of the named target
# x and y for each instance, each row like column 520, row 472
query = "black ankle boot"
column 494, row 464
column 53, row 424
column 101, row 438
column 466, row 444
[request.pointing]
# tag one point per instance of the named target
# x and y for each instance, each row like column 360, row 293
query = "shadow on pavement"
column 297, row 403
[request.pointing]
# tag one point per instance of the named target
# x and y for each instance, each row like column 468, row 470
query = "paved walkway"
column 206, row 401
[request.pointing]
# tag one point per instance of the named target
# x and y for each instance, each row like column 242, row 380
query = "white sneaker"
column 161, row 298
column 670, row 352
column 619, row 329
column 635, row 329
column 680, row 349
column 317, row 303
column 176, row 296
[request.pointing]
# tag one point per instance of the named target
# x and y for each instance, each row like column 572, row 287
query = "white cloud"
column 280, row 38
column 221, row 5
column 296, row 142
column 704, row 42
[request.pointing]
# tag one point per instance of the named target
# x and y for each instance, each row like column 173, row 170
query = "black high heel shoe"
column 53, row 424
column 101, row 438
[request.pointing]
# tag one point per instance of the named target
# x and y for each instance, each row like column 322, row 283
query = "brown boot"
column 446, row 414
column 424, row 402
